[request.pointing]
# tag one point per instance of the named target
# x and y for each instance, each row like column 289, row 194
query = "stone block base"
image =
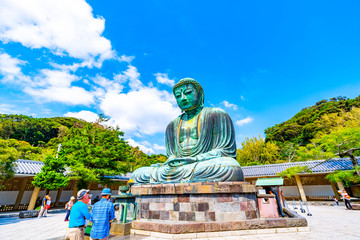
column 120, row 228
column 196, row 227
column 197, row 202
column 203, row 207
column 207, row 235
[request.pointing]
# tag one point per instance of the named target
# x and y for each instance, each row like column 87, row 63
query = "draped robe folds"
column 212, row 157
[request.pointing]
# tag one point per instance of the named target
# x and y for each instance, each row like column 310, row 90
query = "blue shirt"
column 78, row 214
column 101, row 214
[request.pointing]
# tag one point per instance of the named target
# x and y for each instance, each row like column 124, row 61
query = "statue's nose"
column 183, row 97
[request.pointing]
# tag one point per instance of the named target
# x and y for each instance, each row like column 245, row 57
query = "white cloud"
column 143, row 148
column 107, row 85
column 142, row 110
column 84, row 115
column 66, row 27
column 158, row 147
column 244, row 121
column 147, row 110
column 9, row 109
column 71, row 95
column 164, row 79
column 130, row 75
column 55, row 86
column 10, row 70
column 229, row 105
column 125, row 58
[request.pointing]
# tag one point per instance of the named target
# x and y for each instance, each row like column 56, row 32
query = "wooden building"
column 18, row 193
column 307, row 186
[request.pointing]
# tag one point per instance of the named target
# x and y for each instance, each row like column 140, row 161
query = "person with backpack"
column 102, row 214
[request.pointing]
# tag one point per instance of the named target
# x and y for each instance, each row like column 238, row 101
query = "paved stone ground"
column 327, row 222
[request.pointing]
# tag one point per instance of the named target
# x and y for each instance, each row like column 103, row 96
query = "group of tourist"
column 101, row 215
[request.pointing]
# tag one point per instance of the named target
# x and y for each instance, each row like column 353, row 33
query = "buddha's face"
column 187, row 97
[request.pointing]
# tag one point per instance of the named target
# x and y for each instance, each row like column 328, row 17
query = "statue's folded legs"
column 219, row 169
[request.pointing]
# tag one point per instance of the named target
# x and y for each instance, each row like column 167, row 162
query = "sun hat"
column 82, row 193
column 106, row 191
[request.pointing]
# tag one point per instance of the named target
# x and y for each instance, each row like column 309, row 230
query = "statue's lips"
column 185, row 103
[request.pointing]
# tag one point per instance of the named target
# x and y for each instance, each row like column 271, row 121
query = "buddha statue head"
column 189, row 94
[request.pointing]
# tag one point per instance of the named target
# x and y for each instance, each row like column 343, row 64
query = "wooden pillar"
column 300, row 188
column 335, row 191
column 21, row 193
column 34, row 196
column 74, row 190
column 58, row 196
column 341, row 186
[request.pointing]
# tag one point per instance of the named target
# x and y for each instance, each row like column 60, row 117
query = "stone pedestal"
column 201, row 207
column 119, row 228
column 197, row 202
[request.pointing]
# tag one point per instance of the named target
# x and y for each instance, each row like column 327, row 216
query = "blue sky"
column 261, row 61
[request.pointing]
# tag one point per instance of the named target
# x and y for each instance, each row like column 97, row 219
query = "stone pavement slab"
column 327, row 222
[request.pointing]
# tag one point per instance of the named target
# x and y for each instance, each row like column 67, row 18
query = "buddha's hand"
column 176, row 162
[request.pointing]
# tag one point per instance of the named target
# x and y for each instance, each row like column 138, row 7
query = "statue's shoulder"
column 174, row 122
column 217, row 111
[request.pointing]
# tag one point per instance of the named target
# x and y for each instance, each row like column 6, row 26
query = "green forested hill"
column 326, row 130
column 303, row 127
column 35, row 131
column 92, row 150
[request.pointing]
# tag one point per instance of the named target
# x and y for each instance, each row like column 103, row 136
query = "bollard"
column 309, row 214
column 135, row 210
column 124, row 208
column 293, row 204
column 301, row 207
column 286, row 204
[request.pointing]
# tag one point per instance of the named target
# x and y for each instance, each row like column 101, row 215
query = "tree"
column 140, row 159
column 8, row 156
column 288, row 151
column 292, row 171
column 256, row 151
column 348, row 177
column 340, row 137
column 10, row 151
column 52, row 175
column 94, row 151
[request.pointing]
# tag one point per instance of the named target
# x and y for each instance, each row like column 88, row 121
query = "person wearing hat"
column 68, row 207
column 79, row 212
column 102, row 214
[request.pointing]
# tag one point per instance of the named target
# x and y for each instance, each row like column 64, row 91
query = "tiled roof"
column 317, row 166
column 27, row 167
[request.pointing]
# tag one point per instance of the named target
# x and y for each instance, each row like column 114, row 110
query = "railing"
column 310, row 198
column 10, row 207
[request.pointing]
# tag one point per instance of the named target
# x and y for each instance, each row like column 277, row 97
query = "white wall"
column 319, row 190
column 290, row 190
column 8, row 197
column 310, row 190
